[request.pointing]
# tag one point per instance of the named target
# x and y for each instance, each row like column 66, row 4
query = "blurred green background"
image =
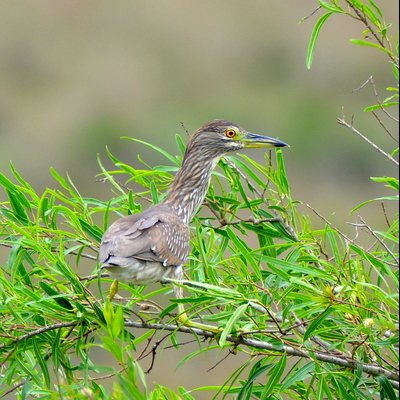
column 75, row 76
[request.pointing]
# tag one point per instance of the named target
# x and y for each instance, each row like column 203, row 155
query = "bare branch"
column 341, row 121
column 348, row 239
column 38, row 332
column 337, row 359
column 367, row 227
column 384, row 127
column 364, row 20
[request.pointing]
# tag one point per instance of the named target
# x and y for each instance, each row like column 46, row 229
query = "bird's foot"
column 184, row 320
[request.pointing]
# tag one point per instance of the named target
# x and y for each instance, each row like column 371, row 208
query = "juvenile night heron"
column 153, row 245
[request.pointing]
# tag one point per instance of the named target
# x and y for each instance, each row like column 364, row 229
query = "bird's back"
column 156, row 234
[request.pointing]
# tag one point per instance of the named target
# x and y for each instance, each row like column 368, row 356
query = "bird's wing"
column 154, row 235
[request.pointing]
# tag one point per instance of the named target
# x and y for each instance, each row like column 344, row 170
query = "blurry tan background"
column 75, row 76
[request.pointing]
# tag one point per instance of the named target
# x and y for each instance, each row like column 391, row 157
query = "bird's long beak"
column 254, row 140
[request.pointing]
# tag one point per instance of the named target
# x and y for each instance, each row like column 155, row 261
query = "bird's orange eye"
column 230, row 133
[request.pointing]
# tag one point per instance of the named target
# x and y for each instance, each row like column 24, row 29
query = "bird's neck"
column 190, row 186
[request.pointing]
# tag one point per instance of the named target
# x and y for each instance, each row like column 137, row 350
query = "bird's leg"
column 183, row 318
column 113, row 290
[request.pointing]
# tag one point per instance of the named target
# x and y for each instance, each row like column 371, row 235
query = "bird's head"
column 219, row 137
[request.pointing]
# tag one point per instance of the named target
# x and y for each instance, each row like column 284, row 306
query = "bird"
column 153, row 245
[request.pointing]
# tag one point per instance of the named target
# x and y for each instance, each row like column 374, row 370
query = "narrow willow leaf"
column 395, row 70
column 243, row 249
column 185, row 393
column 314, row 37
column 332, row 237
column 41, row 361
column 181, row 145
column 330, row 7
column 113, row 347
column 257, row 370
column 92, row 230
column 152, row 146
column 194, row 354
column 379, row 106
column 364, row 43
column 283, row 182
column 301, row 375
column 109, row 176
column 249, row 172
column 317, row 322
column 275, row 375
column 392, row 198
column 16, row 202
column 154, row 193
column 391, row 182
column 287, row 266
column 61, row 301
column 24, row 183
column 230, row 324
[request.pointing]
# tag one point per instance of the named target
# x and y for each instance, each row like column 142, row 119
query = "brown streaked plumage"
column 153, row 245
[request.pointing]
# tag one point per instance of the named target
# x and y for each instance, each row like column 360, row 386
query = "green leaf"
column 152, row 146
column 61, row 301
column 330, row 7
column 243, row 248
column 154, row 193
column 16, row 202
column 376, row 8
column 194, row 354
column 364, row 43
column 257, row 370
column 391, row 182
column 249, row 172
column 275, row 375
column 40, row 359
column 387, row 391
column 317, row 322
column 395, row 198
column 92, row 230
column 113, row 347
column 283, row 182
column 181, row 145
column 314, row 37
column 301, row 375
column 395, row 69
column 230, row 324
column 382, row 105
column 288, row 266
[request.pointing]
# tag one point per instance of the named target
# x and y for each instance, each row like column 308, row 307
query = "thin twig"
column 367, row 227
column 347, row 238
column 230, row 352
column 371, row 81
column 308, row 16
column 364, row 20
column 385, row 214
column 384, row 127
column 153, row 352
column 184, row 128
column 38, row 332
column 341, row 121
